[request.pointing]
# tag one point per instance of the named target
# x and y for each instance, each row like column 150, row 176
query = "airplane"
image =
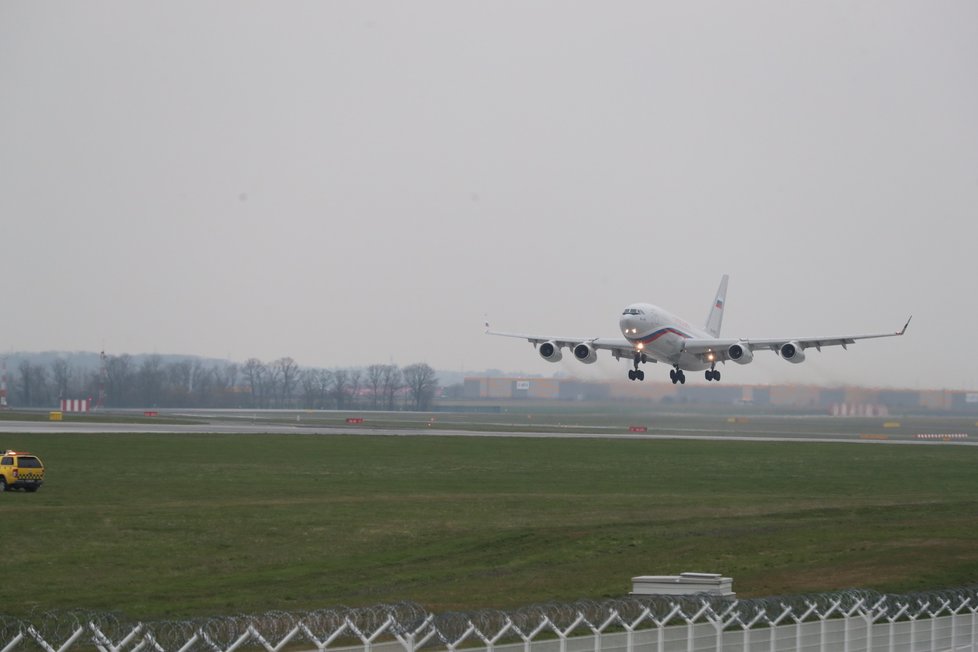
column 653, row 334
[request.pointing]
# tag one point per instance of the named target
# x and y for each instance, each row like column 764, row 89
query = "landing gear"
column 636, row 373
column 677, row 376
column 713, row 374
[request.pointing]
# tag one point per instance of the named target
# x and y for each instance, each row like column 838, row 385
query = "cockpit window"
column 632, row 311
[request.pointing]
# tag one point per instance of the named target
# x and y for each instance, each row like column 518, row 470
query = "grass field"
column 173, row 525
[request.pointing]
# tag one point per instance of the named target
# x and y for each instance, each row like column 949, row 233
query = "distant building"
column 840, row 401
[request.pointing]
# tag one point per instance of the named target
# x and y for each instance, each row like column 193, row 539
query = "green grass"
column 173, row 525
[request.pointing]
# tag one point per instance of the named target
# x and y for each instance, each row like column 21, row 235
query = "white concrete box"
column 683, row 584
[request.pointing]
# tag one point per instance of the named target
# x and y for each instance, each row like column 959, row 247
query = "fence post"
column 954, row 622
column 974, row 627
column 847, row 621
column 527, row 638
column 913, row 622
column 871, row 616
column 491, row 641
column 895, row 617
column 799, row 620
column 410, row 641
column 454, row 644
column 659, row 625
column 749, row 624
column 14, row 642
column 690, row 622
column 599, row 631
column 773, row 624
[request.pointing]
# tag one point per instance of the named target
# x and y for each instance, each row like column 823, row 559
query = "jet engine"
column 550, row 352
column 740, row 353
column 792, row 352
column 585, row 353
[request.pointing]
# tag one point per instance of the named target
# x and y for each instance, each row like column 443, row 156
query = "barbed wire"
column 50, row 631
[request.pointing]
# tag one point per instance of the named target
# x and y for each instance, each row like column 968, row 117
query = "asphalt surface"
column 928, row 431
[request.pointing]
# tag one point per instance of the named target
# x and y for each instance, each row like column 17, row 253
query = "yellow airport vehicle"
column 21, row 470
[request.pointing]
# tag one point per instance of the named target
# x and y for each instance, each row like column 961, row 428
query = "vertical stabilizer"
column 715, row 319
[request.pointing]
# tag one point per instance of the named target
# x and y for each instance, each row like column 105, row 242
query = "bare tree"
column 375, row 381
column 309, row 385
column 226, row 379
column 202, row 384
column 392, row 382
column 33, row 384
column 150, row 380
column 179, row 382
column 341, row 387
column 287, row 372
column 422, row 382
column 61, row 373
column 254, row 373
column 119, row 379
column 324, row 379
column 356, row 382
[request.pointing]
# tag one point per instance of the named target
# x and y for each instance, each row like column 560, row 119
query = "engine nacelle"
column 740, row 353
column 792, row 352
column 550, row 352
column 585, row 353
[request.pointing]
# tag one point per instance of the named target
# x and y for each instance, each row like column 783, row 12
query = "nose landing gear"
column 636, row 373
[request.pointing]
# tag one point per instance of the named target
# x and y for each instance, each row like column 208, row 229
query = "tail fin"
column 715, row 319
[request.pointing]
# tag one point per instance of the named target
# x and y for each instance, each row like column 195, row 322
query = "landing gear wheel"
column 709, row 375
column 673, row 377
column 640, row 374
column 631, row 374
column 682, row 378
column 716, row 376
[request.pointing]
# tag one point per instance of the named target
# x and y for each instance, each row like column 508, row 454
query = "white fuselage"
column 661, row 334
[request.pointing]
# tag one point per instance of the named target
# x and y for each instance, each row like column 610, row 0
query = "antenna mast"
column 103, row 373
column 3, row 384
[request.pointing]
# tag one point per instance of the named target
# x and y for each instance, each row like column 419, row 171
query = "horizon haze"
column 355, row 182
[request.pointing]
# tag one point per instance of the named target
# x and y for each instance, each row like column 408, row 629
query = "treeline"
column 155, row 381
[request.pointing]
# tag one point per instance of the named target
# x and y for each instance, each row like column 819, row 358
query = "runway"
column 925, row 431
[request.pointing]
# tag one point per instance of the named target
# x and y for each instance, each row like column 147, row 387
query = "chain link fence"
column 854, row 620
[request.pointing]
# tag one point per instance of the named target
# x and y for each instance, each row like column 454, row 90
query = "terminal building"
column 840, row 401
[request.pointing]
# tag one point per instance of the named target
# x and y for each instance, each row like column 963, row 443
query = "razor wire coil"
column 415, row 627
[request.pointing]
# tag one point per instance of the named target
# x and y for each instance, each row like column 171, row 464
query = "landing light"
column 640, row 346
column 710, row 357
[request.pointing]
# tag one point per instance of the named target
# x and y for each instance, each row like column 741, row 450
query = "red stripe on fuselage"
column 648, row 339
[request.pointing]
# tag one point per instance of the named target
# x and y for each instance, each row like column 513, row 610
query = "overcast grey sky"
column 358, row 182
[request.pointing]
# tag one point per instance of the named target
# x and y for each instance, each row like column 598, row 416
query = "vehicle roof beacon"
column 683, row 584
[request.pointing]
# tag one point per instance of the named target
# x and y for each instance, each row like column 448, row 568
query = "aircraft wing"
column 719, row 348
column 619, row 347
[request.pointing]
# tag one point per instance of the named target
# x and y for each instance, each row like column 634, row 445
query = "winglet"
column 904, row 329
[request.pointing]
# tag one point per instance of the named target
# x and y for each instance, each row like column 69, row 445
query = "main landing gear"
column 636, row 373
column 713, row 374
column 677, row 376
